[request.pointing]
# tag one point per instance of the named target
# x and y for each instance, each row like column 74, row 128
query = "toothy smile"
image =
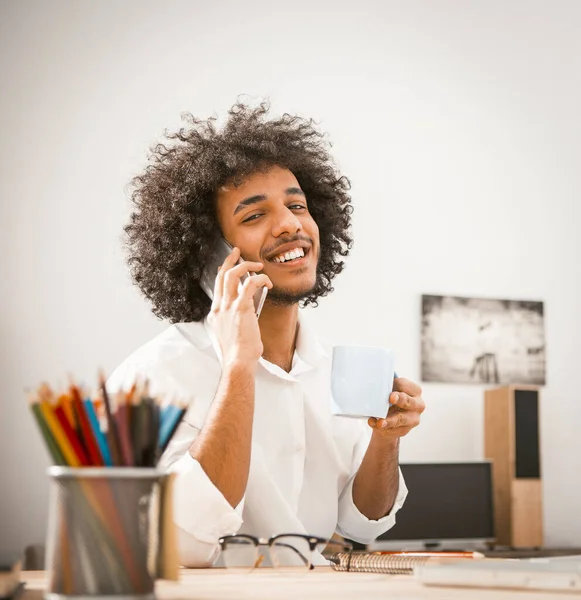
column 290, row 255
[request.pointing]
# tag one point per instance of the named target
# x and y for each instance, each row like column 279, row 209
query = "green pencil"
column 51, row 444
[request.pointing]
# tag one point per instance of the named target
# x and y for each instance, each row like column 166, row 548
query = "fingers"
column 397, row 423
column 397, row 417
column 232, row 278
column 406, row 402
column 400, row 384
column 249, row 288
column 406, row 407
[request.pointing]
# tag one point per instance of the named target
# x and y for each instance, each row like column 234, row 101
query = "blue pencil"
column 99, row 435
column 168, row 419
column 163, row 413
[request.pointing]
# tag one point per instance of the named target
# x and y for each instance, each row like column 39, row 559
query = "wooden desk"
column 321, row 584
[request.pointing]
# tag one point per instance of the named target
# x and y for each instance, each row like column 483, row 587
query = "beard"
column 284, row 297
column 281, row 296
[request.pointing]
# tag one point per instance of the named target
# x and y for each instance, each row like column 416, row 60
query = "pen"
column 443, row 554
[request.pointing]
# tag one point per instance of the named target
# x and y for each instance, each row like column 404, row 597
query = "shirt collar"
column 309, row 347
column 309, row 350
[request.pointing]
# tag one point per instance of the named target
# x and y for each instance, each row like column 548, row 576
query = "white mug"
column 361, row 381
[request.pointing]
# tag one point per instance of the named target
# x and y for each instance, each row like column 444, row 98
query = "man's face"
column 267, row 217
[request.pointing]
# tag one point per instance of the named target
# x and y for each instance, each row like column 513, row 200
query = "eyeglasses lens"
column 290, row 551
column 241, row 553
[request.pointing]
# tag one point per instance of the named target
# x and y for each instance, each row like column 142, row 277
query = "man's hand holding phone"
column 233, row 316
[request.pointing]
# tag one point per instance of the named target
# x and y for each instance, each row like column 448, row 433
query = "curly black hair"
column 174, row 224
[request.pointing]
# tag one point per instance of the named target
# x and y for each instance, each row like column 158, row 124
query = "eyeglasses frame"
column 312, row 540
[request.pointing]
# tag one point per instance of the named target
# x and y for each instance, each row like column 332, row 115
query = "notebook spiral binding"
column 366, row 562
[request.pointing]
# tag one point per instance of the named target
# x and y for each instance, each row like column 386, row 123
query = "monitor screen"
column 446, row 501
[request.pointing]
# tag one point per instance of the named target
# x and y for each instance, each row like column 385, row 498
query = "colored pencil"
column 75, row 435
column 112, row 433
column 87, row 434
column 71, row 435
column 121, row 418
column 99, row 435
column 52, row 446
column 68, row 408
column 167, row 424
column 55, row 428
column 153, row 434
column 176, row 423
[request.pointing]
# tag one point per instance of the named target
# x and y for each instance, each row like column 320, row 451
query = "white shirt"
column 303, row 458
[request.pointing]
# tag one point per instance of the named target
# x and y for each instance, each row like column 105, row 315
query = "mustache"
column 289, row 240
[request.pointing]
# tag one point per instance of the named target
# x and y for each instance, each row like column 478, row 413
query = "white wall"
column 457, row 121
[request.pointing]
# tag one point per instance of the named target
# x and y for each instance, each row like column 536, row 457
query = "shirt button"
column 299, row 448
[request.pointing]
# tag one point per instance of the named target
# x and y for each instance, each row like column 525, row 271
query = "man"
column 259, row 451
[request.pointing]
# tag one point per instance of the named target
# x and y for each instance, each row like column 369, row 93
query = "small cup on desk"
column 361, row 381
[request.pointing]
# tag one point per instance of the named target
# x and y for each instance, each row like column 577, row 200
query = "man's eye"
column 252, row 218
column 297, row 206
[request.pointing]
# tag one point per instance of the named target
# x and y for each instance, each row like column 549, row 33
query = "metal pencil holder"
column 103, row 533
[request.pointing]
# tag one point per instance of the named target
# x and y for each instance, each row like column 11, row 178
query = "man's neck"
column 278, row 330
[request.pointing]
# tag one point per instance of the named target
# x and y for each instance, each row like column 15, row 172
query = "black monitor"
column 446, row 502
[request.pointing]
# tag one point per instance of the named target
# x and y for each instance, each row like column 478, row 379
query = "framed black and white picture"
column 481, row 340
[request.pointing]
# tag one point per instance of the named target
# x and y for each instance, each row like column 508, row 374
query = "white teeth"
column 292, row 254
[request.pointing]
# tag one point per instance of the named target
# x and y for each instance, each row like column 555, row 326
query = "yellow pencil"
column 59, row 435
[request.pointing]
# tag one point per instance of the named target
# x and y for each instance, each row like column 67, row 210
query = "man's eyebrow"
column 294, row 191
column 249, row 201
column 291, row 191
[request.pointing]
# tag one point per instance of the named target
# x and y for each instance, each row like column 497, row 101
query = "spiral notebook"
column 393, row 563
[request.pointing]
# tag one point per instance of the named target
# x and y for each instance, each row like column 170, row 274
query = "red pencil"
column 60, row 414
column 94, row 454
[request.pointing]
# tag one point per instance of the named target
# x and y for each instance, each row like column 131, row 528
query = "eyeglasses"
column 284, row 550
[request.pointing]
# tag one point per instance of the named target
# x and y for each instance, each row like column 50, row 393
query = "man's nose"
column 286, row 223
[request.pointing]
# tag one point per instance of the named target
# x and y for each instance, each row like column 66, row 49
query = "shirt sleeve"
column 356, row 526
column 201, row 513
column 352, row 524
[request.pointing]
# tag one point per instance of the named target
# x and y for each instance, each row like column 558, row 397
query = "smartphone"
column 221, row 251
